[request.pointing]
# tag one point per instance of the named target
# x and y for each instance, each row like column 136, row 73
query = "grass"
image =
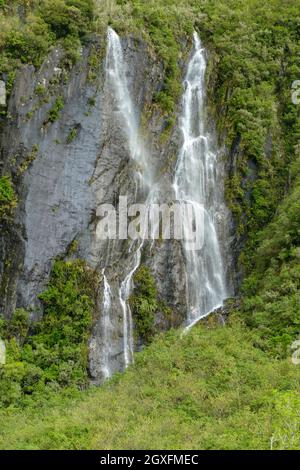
column 210, row 389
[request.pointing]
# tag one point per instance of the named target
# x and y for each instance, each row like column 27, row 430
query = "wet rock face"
column 114, row 177
column 67, row 153
column 52, row 174
column 65, row 147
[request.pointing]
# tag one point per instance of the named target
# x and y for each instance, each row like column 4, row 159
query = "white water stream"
column 116, row 73
column 196, row 181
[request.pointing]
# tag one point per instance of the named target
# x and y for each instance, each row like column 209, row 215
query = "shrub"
column 27, row 33
column 69, row 17
column 72, row 135
column 53, row 352
column 29, row 43
column 8, row 198
column 18, row 327
column 272, row 290
column 145, row 304
column 56, row 109
column 211, row 379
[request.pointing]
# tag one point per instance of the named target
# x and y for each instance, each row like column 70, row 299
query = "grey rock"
column 65, row 183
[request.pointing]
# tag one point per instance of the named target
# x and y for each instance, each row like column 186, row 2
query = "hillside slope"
column 209, row 389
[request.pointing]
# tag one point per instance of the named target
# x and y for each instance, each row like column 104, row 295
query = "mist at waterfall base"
column 196, row 183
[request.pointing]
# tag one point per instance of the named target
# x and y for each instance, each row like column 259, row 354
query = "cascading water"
column 116, row 74
column 197, row 181
column 124, row 294
column 106, row 326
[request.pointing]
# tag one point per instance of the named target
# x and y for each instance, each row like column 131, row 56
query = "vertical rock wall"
column 65, row 167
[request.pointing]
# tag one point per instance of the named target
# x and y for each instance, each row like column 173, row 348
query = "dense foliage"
column 254, row 50
column 29, row 28
column 210, row 389
column 50, row 354
column 271, row 293
column 256, row 59
column 146, row 305
column 8, row 198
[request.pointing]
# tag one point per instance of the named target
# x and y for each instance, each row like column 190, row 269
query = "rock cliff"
column 65, row 147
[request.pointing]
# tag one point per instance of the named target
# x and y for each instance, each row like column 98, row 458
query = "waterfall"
column 106, row 327
column 197, row 180
column 116, row 74
column 117, row 77
column 124, row 294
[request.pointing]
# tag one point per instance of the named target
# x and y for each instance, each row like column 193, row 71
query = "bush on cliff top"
column 29, row 29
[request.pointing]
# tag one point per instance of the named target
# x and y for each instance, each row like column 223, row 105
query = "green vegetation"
column 145, row 303
column 29, row 28
column 8, row 198
column 210, row 389
column 44, row 356
column 254, row 58
column 72, row 135
column 67, row 17
column 95, row 60
column 28, row 160
column 56, row 109
column 166, row 27
column 40, row 91
column 92, row 102
column 271, row 301
column 256, row 52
